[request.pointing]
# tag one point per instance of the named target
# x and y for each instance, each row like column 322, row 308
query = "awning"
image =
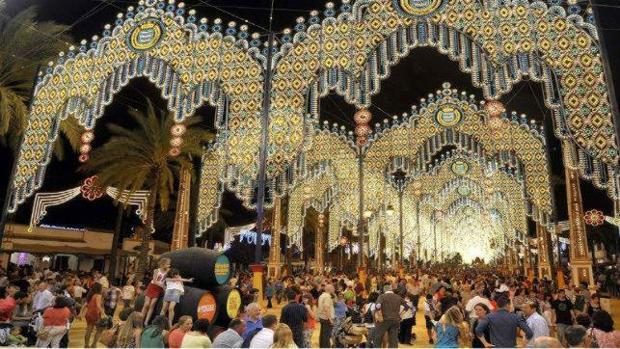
column 65, row 249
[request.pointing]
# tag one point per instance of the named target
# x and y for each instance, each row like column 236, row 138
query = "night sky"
column 422, row 72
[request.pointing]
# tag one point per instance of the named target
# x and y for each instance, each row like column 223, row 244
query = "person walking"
column 502, row 325
column 294, row 315
column 326, row 315
column 283, row 338
column 55, row 320
column 388, row 304
column 407, row 313
column 130, row 332
column 449, row 329
column 481, row 310
column 535, row 321
column 154, row 334
column 93, row 312
column 231, row 338
column 198, row 337
column 564, row 315
column 264, row 338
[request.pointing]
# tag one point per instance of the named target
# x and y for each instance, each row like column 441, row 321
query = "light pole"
column 437, row 215
column 417, row 192
column 362, row 130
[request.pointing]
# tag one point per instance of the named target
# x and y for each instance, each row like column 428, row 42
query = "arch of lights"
column 349, row 51
column 449, row 117
column 333, row 149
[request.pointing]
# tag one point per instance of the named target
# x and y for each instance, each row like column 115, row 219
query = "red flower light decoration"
column 91, row 190
column 594, row 218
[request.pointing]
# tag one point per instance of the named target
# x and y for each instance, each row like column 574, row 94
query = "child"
column 128, row 294
column 16, row 339
column 429, row 316
column 174, row 290
column 155, row 289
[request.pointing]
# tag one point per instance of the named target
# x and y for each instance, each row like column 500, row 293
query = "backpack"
column 248, row 340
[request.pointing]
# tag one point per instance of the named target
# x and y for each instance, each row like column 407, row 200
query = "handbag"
column 378, row 315
column 44, row 333
column 108, row 337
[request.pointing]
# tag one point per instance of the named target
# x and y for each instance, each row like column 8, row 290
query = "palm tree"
column 25, row 45
column 139, row 159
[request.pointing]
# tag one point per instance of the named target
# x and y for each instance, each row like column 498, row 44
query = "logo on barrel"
column 233, row 303
column 206, row 307
column 146, row 35
column 222, row 269
column 418, row 8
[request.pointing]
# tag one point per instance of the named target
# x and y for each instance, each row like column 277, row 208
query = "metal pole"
column 417, row 209
column 435, row 238
column 400, row 209
column 9, row 187
column 360, row 224
column 260, row 197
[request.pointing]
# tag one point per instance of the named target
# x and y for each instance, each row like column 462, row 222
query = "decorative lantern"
column 494, row 109
column 86, row 138
column 362, row 130
column 176, row 140
column 417, row 188
column 594, row 218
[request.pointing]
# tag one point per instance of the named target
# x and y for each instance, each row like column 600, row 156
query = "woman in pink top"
column 176, row 334
column 603, row 330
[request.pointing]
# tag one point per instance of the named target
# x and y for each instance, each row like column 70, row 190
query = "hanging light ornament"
column 362, row 129
column 417, row 188
column 494, row 109
column 86, row 138
column 176, row 141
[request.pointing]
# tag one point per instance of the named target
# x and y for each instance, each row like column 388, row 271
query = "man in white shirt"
column 477, row 298
column 264, row 338
column 43, row 298
column 535, row 321
column 326, row 314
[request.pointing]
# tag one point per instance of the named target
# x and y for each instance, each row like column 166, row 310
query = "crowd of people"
column 460, row 307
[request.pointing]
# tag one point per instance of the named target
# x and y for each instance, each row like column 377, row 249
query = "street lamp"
column 417, row 191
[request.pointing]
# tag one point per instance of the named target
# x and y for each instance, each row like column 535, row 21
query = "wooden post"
column 580, row 259
column 180, row 232
column 274, row 263
column 319, row 245
column 544, row 263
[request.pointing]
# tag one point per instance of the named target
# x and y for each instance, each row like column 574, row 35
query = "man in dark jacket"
column 294, row 315
column 389, row 304
column 503, row 326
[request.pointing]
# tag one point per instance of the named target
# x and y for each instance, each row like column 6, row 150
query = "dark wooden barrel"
column 207, row 267
column 228, row 304
column 195, row 302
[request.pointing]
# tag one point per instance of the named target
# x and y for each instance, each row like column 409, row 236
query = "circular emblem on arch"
column 418, row 8
column 448, row 115
column 464, row 190
column 146, row 35
column 460, row 167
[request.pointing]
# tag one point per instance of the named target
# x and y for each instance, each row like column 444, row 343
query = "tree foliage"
column 26, row 45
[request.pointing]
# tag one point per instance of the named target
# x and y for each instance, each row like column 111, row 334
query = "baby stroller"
column 350, row 335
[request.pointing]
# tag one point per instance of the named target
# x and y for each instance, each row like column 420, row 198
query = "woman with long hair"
column 481, row 310
column 93, row 312
column 154, row 334
column 199, row 336
column 130, row 332
column 283, row 338
column 449, row 329
column 178, row 331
